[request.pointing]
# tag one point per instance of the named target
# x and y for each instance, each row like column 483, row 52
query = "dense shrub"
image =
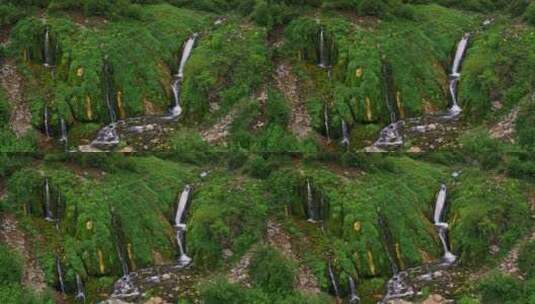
column 228, row 215
column 220, row 291
column 10, row 266
column 479, row 146
column 500, row 289
column 529, row 15
column 526, row 259
column 270, row 271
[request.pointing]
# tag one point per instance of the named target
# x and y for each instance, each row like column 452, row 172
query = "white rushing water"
column 326, row 123
column 45, row 122
column 47, row 59
column 455, row 75
column 353, row 295
column 176, row 110
column 180, row 225
column 345, row 134
column 59, row 271
column 80, row 294
column 442, row 226
column 310, row 203
column 323, row 62
column 390, row 136
column 48, row 212
column 63, row 128
column 332, row 280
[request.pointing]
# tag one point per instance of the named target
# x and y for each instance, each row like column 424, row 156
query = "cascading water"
column 80, row 294
column 310, row 204
column 110, row 135
column 390, row 136
column 326, row 123
column 455, row 75
column 64, row 138
column 353, row 295
column 332, row 281
column 176, row 110
column 180, row 225
column 59, row 272
column 107, row 136
column 48, row 212
column 323, row 59
column 46, row 123
column 442, row 227
column 124, row 287
column 46, row 49
column 397, row 286
column 345, row 134
column 58, row 204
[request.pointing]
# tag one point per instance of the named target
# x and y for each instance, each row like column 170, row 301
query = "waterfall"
column 58, row 204
column 45, row 122
column 332, row 280
column 107, row 136
column 442, row 227
column 180, row 225
column 48, row 213
column 47, row 59
column 108, row 88
column 310, row 204
column 188, row 47
column 439, row 205
column 323, row 61
column 353, row 295
column 80, row 295
column 176, row 110
column 124, row 287
column 345, row 134
column 326, row 122
column 63, row 127
column 59, row 271
column 390, row 136
column 455, row 75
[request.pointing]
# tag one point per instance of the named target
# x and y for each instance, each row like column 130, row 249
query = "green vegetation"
column 275, row 206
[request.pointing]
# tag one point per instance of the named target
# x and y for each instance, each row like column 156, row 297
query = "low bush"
column 270, row 271
column 526, row 259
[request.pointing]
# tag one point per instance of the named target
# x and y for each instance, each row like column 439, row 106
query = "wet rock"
column 415, row 149
column 436, row 299
column 114, row 301
column 155, row 300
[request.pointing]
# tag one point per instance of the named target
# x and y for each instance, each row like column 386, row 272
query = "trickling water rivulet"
column 47, row 209
column 124, row 287
column 443, row 226
column 46, row 49
column 390, row 136
column 64, row 138
column 353, row 295
column 455, row 75
column 322, row 56
column 332, row 280
column 80, row 294
column 326, row 122
column 180, row 225
column 345, row 134
column 46, row 124
column 59, row 272
column 310, row 204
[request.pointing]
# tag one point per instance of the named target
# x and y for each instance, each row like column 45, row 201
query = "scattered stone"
column 11, row 81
